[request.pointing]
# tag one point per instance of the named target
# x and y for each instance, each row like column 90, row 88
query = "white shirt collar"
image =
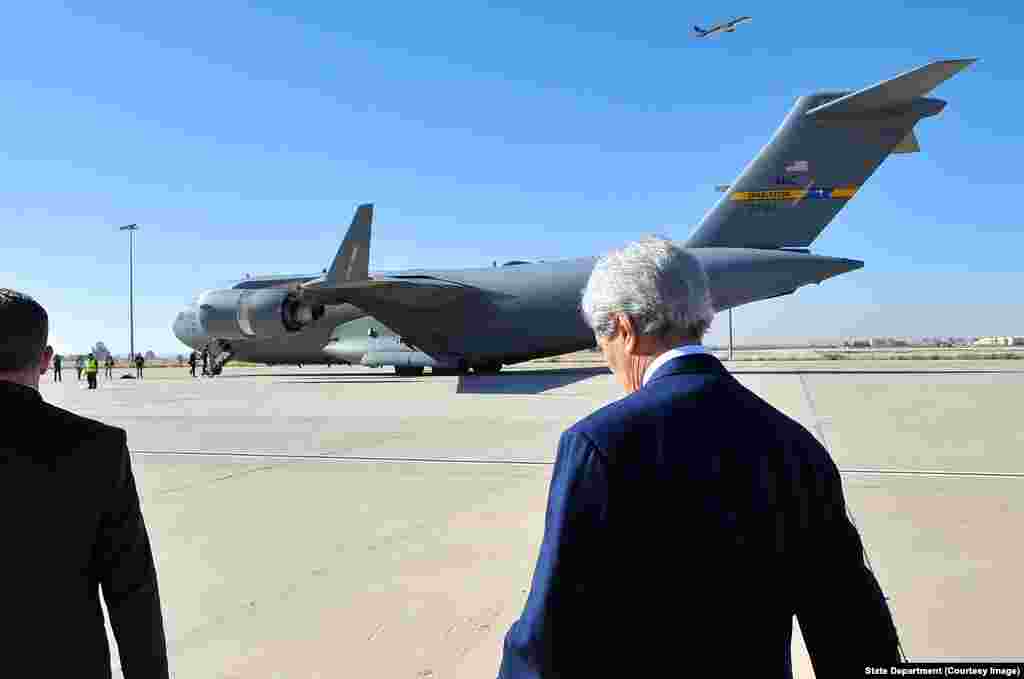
column 664, row 358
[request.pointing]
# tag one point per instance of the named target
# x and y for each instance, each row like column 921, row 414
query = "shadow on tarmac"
column 296, row 375
column 811, row 371
column 346, row 380
column 525, row 381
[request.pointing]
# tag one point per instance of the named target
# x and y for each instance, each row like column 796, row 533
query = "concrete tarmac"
column 345, row 522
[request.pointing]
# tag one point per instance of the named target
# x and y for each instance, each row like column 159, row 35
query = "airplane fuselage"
column 533, row 310
column 526, row 311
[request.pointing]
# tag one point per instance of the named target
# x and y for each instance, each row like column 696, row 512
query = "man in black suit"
column 72, row 525
column 688, row 522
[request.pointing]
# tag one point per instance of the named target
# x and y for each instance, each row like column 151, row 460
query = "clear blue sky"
column 241, row 137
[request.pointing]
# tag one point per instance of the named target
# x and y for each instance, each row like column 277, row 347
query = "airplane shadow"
column 344, row 380
column 305, row 377
column 525, row 381
column 292, row 375
column 951, row 371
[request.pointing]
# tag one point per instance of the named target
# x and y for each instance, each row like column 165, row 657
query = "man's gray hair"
column 661, row 287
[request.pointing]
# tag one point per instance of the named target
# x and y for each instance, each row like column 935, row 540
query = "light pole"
column 730, row 333
column 131, row 229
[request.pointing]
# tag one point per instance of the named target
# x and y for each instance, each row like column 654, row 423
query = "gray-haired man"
column 689, row 521
column 72, row 525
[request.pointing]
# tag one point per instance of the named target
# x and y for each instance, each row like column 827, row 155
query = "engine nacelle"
column 249, row 314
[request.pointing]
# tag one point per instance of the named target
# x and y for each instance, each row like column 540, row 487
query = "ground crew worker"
column 92, row 367
column 79, row 364
column 206, row 359
column 192, row 363
column 110, row 366
column 58, row 365
column 139, row 362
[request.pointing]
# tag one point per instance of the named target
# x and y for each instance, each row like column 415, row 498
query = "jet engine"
column 248, row 314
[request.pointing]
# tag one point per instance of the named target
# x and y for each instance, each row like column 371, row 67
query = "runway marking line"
column 328, row 457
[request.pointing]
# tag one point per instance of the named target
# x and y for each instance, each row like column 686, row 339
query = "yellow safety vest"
column 91, row 366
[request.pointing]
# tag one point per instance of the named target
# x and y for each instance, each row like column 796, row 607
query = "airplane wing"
column 418, row 307
column 349, row 279
column 425, row 311
column 422, row 292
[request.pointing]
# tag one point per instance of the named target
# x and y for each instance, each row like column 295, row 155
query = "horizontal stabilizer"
column 352, row 263
column 893, row 93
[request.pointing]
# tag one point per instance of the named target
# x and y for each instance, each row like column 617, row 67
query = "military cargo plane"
column 753, row 243
column 221, row 321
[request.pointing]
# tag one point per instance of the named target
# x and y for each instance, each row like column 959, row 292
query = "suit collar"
column 688, row 365
column 13, row 390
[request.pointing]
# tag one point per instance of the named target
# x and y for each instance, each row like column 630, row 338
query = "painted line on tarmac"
column 334, row 457
column 934, row 472
column 327, row 457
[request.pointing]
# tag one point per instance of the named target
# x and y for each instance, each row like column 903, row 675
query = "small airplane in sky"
column 727, row 27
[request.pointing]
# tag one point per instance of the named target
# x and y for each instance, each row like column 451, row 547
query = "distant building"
column 888, row 342
column 998, row 341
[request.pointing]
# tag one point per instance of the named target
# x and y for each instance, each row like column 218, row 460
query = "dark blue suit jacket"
column 686, row 525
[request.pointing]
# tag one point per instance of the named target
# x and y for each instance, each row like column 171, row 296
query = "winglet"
column 908, row 145
column 352, row 263
column 895, row 92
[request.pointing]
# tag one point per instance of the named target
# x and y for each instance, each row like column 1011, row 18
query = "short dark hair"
column 24, row 327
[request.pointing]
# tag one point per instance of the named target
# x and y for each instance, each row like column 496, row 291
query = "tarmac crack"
column 210, row 482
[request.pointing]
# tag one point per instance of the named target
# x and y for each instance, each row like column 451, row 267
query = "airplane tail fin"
column 352, row 263
column 700, row 31
column 824, row 151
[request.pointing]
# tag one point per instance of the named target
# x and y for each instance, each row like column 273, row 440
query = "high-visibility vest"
column 91, row 366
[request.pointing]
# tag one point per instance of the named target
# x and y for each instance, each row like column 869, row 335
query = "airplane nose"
column 178, row 327
column 184, row 327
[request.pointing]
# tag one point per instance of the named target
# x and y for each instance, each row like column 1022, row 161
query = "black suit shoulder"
column 79, row 532
column 72, row 445
column 72, row 420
